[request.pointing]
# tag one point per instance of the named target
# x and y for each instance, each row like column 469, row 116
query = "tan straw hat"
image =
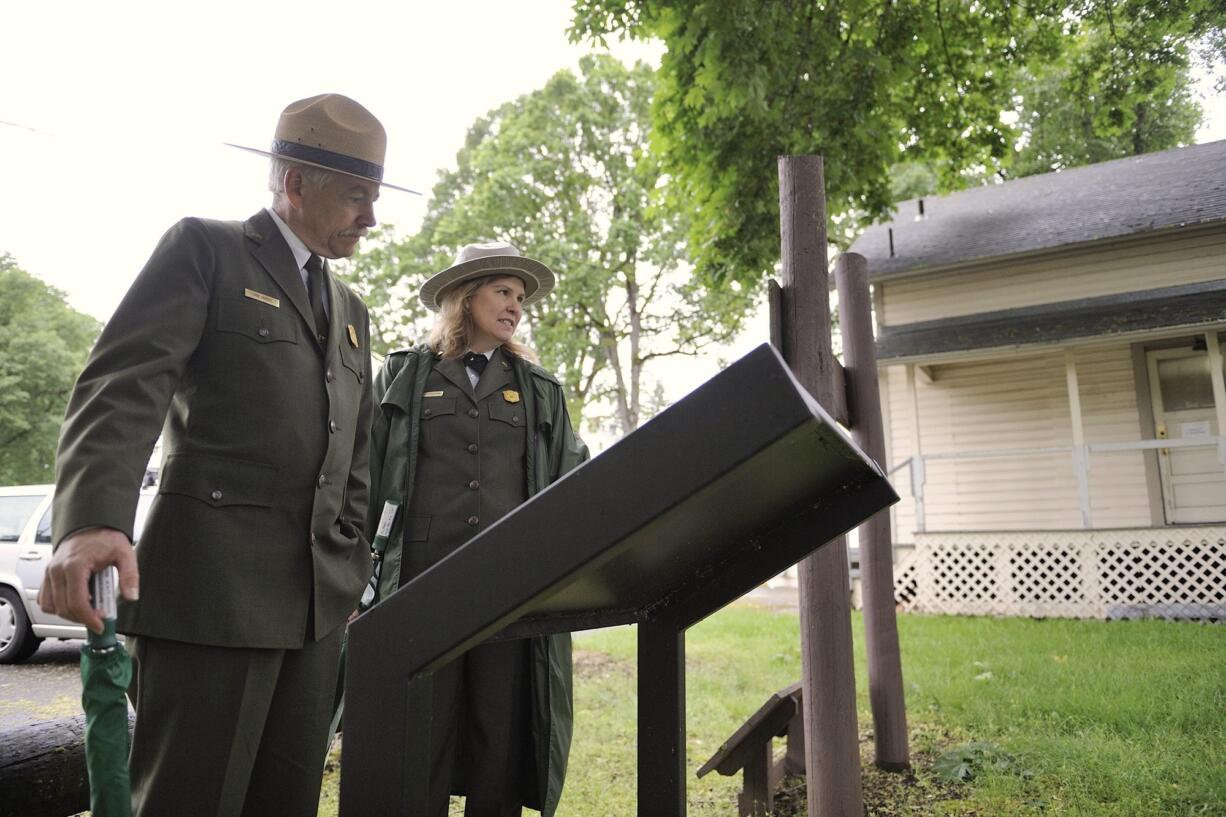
column 490, row 258
column 333, row 132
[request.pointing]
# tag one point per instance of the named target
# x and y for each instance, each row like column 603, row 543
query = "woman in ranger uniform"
column 468, row 428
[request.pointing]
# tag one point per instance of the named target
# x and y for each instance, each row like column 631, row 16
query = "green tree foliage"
column 871, row 84
column 1080, row 109
column 564, row 174
column 43, row 345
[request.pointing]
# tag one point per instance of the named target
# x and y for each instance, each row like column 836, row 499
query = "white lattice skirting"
column 1125, row 573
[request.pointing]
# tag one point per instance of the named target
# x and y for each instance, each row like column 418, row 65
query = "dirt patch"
column 913, row 793
column 593, row 664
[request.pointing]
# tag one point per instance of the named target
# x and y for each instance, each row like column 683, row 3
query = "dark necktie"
column 476, row 362
column 315, row 291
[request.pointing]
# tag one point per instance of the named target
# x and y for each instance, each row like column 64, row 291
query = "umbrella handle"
column 102, row 596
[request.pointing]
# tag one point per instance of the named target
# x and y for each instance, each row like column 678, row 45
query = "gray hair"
column 316, row 177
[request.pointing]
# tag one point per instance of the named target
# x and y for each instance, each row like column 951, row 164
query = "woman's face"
column 496, row 309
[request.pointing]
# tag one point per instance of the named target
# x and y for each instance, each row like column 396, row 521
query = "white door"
column 1193, row 479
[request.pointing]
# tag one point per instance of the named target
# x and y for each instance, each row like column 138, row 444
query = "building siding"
column 1127, row 266
column 1019, row 402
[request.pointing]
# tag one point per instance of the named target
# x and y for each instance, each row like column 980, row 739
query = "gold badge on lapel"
column 353, row 336
column 262, row 298
column 510, row 395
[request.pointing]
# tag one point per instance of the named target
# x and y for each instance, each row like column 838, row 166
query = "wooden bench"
column 751, row 749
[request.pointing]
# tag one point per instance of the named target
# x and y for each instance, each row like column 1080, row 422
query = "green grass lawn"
column 1126, row 719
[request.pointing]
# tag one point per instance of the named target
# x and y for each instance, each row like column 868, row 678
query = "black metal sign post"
column 661, row 765
column 708, row 500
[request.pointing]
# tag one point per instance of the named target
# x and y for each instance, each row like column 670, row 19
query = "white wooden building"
column 1051, row 365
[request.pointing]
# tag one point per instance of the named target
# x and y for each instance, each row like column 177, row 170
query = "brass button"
column 314, row 540
column 474, row 485
column 332, row 426
column 472, row 448
column 328, row 376
column 427, row 412
column 361, row 376
column 323, row 480
column 323, row 340
column 473, row 413
column 263, row 332
column 472, row 521
column 514, row 418
column 216, row 495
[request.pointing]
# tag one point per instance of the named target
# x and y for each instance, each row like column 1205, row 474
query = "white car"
column 25, row 549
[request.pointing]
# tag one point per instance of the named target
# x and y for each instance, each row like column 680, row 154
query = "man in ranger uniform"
column 239, row 347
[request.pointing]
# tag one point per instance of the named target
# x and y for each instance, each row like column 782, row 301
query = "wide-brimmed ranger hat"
column 492, row 258
column 333, row 132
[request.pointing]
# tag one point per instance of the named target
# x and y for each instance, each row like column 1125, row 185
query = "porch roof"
column 1187, row 305
column 1157, row 191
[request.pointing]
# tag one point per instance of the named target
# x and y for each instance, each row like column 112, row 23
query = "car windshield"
column 142, row 510
column 15, row 514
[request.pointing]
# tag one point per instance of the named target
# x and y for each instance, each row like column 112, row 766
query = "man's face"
column 332, row 220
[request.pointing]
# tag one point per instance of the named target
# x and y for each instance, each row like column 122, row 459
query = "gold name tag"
column 353, row 336
column 262, row 298
column 511, row 396
column 434, row 394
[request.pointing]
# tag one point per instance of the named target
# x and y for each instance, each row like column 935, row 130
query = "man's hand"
column 65, row 590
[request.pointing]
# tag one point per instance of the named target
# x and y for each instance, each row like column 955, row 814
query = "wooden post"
column 917, row 457
column 1081, row 453
column 832, row 758
column 1218, row 379
column 885, row 691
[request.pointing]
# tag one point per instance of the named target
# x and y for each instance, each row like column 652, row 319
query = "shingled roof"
column 1157, row 191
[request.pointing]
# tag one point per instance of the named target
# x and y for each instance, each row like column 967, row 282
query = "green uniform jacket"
column 255, row 538
column 552, row 450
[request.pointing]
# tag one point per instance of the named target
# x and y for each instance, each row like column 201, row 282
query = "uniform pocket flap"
column 219, row 481
column 510, row 413
column 258, row 321
column 353, row 360
column 437, row 407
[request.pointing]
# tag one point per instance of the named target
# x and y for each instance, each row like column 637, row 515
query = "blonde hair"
column 453, row 328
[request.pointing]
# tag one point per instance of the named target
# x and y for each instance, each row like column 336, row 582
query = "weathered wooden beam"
column 885, row 690
column 837, row 407
column 42, row 769
column 833, row 756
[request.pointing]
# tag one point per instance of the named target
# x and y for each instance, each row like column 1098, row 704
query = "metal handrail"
column 1081, row 463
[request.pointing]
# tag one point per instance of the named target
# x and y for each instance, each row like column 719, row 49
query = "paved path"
column 47, row 686
column 783, row 598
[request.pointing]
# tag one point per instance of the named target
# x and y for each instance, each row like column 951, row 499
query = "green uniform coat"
column 552, row 450
column 255, row 538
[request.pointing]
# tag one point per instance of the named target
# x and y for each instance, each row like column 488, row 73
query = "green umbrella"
column 106, row 671
column 369, row 598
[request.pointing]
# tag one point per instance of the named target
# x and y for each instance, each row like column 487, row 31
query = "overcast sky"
column 113, row 115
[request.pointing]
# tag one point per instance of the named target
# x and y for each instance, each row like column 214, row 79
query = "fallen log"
column 42, row 769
